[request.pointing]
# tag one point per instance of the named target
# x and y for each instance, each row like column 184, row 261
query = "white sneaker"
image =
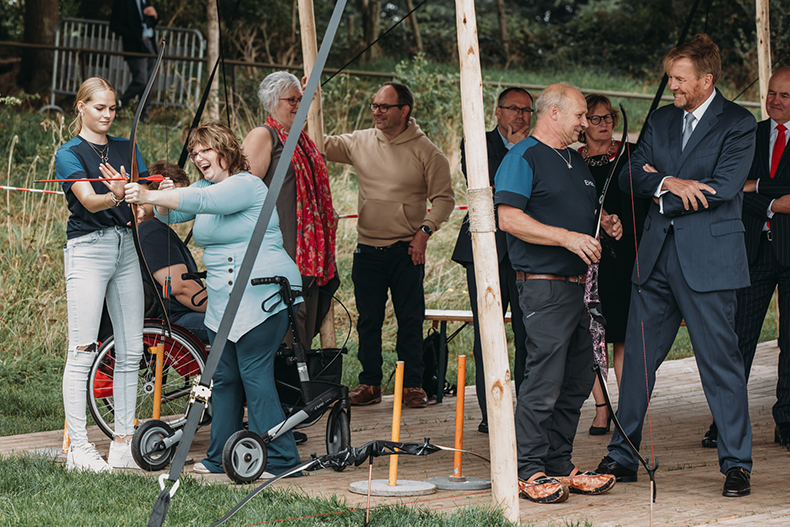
column 121, row 455
column 200, row 468
column 86, row 457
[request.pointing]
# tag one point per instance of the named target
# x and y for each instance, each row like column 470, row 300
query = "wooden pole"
column 459, row 417
column 502, row 437
column 315, row 129
column 763, row 50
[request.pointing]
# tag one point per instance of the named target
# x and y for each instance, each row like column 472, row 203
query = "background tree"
column 41, row 20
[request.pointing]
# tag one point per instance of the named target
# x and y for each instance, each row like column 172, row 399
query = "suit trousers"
column 509, row 291
column 661, row 303
column 558, row 375
column 375, row 271
column 141, row 68
column 765, row 274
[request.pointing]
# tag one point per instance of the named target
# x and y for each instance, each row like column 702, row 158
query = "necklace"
column 568, row 162
column 104, row 153
column 605, row 158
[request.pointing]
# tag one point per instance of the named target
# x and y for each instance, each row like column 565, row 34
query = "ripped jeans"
column 102, row 264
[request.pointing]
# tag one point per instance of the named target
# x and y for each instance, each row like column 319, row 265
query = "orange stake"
column 393, row 479
column 66, row 439
column 159, row 353
column 459, row 415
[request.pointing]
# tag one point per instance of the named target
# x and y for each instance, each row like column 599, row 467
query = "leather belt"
column 574, row 279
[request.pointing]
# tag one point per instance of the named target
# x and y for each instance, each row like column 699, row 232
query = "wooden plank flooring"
column 688, row 481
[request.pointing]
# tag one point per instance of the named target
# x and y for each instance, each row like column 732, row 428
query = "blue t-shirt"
column 535, row 178
column 162, row 247
column 77, row 159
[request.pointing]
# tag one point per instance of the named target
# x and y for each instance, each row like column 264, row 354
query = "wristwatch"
column 427, row 230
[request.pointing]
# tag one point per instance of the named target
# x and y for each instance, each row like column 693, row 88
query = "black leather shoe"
column 610, row 466
column 299, row 437
column 782, row 435
column 737, row 483
column 711, row 437
column 483, row 427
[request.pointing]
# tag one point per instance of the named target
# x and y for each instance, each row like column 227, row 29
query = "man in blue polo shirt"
column 546, row 200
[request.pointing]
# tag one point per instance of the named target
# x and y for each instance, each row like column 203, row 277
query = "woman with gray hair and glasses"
column 304, row 206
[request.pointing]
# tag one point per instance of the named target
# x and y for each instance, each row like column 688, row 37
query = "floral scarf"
column 315, row 216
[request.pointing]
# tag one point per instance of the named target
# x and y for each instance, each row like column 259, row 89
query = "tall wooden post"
column 315, row 129
column 763, row 50
column 502, row 436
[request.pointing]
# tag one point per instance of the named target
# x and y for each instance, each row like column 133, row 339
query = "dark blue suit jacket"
column 755, row 205
column 463, row 246
column 709, row 242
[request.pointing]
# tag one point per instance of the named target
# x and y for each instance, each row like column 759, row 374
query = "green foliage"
column 437, row 97
column 37, row 491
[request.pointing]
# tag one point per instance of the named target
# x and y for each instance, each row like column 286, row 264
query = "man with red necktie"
column 766, row 217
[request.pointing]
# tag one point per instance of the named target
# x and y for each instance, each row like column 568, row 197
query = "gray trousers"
column 558, row 377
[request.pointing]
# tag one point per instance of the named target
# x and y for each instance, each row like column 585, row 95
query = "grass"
column 37, row 491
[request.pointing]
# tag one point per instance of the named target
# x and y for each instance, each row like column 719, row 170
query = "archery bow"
column 597, row 321
column 134, row 177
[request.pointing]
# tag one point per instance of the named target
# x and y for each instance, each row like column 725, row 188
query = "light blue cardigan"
column 225, row 215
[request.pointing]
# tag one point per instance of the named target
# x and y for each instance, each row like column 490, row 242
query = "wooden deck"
column 688, row 481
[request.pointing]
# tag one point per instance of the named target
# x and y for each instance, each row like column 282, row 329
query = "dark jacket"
column 126, row 22
column 463, row 247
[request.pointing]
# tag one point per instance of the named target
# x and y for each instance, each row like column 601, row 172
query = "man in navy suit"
column 766, row 216
column 693, row 161
column 514, row 115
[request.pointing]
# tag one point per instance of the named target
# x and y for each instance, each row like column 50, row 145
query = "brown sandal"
column 542, row 489
column 590, row 483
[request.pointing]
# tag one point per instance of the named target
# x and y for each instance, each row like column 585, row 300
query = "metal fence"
column 178, row 80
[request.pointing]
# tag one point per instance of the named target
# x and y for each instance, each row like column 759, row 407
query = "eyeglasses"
column 293, row 101
column 596, row 119
column 516, row 109
column 201, row 153
column 384, row 108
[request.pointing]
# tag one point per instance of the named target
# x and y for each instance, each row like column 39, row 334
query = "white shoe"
column 200, row 468
column 86, row 457
column 121, row 455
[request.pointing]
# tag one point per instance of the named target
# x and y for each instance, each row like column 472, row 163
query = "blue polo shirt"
column 535, row 178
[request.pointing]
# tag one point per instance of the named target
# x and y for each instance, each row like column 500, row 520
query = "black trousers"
column 509, row 291
column 375, row 272
column 142, row 69
column 558, row 377
column 753, row 301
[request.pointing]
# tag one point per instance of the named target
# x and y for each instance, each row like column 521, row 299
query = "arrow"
column 32, row 190
column 154, row 177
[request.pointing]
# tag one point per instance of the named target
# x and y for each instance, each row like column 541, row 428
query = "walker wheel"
column 244, row 456
column 338, row 432
column 147, row 449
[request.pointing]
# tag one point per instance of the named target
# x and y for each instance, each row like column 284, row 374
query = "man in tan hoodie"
column 398, row 168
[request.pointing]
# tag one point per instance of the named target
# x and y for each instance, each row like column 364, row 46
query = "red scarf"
column 315, row 217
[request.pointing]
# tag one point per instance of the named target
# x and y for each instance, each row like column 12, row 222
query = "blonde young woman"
column 100, row 263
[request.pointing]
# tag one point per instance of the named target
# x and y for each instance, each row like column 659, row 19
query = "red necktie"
column 779, row 148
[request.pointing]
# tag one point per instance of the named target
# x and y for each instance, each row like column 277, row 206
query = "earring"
column 82, row 114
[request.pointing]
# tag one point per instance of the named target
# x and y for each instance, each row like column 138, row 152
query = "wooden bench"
column 440, row 318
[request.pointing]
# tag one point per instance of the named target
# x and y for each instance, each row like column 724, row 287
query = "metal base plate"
column 451, row 483
column 381, row 487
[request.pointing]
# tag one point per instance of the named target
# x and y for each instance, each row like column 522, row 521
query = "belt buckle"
column 769, row 235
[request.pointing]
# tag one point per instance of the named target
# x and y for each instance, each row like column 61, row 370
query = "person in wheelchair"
column 168, row 259
column 225, row 205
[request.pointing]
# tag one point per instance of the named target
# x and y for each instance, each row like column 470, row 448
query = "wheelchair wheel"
column 244, row 456
column 184, row 358
column 338, row 431
column 145, row 444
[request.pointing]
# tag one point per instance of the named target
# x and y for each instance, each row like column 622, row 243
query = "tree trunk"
column 212, row 52
column 41, row 21
column 500, row 5
column 415, row 27
column 371, row 14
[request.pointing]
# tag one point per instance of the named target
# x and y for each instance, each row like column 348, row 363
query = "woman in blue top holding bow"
column 225, row 205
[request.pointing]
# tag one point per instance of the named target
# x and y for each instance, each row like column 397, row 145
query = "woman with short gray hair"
column 304, row 206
